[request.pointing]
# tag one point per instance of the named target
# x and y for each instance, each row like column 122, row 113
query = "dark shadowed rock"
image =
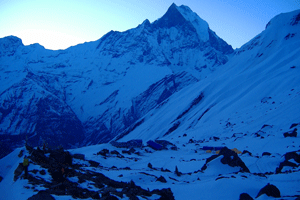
column 288, row 156
column 266, row 154
column 94, row 163
column 292, row 155
column 245, row 196
column 21, row 153
column 161, row 179
column 103, row 152
column 270, row 190
column 165, row 194
column 248, row 152
column 232, row 159
column 18, row 171
column 292, row 134
column 110, row 197
column 42, row 195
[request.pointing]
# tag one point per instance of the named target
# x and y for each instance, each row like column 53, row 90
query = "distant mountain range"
column 160, row 80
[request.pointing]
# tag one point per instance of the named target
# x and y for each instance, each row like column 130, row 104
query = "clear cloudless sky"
column 58, row 24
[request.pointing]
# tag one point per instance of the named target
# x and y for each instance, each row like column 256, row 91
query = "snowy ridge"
column 159, row 82
column 94, row 80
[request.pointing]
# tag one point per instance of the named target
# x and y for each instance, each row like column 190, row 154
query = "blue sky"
column 58, row 24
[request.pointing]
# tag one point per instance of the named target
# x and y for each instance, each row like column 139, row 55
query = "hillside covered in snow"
column 167, row 104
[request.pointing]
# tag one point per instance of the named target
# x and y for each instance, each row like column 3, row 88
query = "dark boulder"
column 232, row 159
column 21, row 153
column 289, row 155
column 177, row 172
column 42, row 195
column 39, row 157
column 294, row 125
column 1, row 178
column 248, row 152
column 245, row 196
column 18, row 171
column 161, row 179
column 103, row 152
column 270, row 190
column 93, row 163
column 165, row 194
column 61, row 157
column 57, row 176
column 292, row 155
column 285, row 163
column 266, row 154
column 292, row 134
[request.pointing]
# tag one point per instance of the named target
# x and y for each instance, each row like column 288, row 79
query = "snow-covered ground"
column 250, row 104
column 218, row 181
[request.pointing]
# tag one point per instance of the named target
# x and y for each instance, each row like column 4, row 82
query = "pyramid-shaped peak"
column 178, row 16
column 171, row 18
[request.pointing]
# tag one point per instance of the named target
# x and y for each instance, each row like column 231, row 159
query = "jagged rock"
column 294, row 125
column 42, row 195
column 21, row 153
column 150, row 166
column 232, row 159
column 103, row 152
column 94, row 163
column 177, row 172
column 286, row 162
column 270, row 190
column 166, row 194
column 1, row 178
column 161, row 179
column 245, row 196
column 292, row 134
column 61, row 157
column 18, row 171
column 248, row 152
column 266, row 154
column 292, row 155
column 63, row 186
column 115, row 152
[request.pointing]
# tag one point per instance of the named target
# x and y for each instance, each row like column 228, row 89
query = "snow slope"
column 251, row 103
column 91, row 92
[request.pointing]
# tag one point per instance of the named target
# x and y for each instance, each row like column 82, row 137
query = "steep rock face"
column 257, row 86
column 31, row 111
column 105, row 86
column 122, row 119
column 180, row 39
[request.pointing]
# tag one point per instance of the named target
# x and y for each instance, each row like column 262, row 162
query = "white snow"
column 259, row 86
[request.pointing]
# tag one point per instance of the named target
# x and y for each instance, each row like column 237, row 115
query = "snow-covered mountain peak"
column 184, row 16
column 282, row 30
column 284, row 19
column 9, row 44
column 199, row 24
